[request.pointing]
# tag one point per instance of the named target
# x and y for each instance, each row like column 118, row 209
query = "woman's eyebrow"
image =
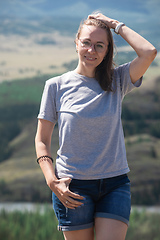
column 100, row 42
column 90, row 40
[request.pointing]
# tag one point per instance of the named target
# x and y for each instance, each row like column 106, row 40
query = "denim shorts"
column 105, row 198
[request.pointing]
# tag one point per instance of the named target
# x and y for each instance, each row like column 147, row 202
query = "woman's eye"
column 86, row 43
column 99, row 46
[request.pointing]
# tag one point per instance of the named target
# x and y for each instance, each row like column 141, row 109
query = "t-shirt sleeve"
column 123, row 78
column 48, row 102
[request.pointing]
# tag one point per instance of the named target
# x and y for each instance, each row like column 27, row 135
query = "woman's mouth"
column 90, row 58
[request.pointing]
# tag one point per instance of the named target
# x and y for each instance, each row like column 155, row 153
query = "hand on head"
column 111, row 23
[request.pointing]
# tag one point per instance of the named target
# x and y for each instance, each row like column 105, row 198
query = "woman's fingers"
column 68, row 198
column 72, row 200
column 111, row 23
column 94, row 16
column 71, row 203
column 75, row 195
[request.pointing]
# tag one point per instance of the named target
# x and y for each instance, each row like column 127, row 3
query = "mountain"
column 30, row 29
column 138, row 14
column 72, row 8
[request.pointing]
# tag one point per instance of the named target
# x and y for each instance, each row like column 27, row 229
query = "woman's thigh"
column 110, row 229
column 85, row 234
column 112, row 213
column 115, row 204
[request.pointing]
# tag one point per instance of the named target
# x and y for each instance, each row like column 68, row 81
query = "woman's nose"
column 92, row 48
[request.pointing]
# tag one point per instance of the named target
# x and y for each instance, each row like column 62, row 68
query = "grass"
column 143, row 226
column 143, row 155
column 33, row 226
column 37, row 226
column 22, row 91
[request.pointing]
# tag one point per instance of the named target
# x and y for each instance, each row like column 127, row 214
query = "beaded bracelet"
column 44, row 158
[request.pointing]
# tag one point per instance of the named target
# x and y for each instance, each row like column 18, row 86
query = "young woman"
column 91, row 189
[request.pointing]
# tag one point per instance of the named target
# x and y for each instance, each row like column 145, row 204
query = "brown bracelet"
column 44, row 158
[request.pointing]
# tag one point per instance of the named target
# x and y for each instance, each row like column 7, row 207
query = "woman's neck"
column 85, row 72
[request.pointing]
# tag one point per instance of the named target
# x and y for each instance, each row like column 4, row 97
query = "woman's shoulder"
column 118, row 70
column 58, row 79
column 121, row 75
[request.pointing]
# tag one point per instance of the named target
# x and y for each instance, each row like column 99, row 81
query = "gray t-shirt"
column 91, row 140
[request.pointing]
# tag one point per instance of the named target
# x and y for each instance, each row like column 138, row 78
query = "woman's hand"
column 146, row 52
column 111, row 23
column 61, row 189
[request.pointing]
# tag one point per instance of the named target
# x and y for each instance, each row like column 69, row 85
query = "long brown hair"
column 104, row 70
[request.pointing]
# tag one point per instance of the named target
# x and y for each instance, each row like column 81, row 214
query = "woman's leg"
column 86, row 234
column 110, row 229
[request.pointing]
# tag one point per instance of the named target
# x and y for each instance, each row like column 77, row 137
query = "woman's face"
column 92, row 47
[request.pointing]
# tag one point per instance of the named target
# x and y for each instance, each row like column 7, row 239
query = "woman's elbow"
column 153, row 53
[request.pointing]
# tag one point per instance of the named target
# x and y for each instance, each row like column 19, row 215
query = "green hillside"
column 20, row 176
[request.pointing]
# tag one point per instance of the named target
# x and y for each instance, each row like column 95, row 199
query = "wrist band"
column 43, row 157
column 116, row 30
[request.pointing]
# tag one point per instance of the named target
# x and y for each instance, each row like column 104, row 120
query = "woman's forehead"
column 93, row 32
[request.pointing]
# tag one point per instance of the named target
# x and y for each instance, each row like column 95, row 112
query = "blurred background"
column 37, row 43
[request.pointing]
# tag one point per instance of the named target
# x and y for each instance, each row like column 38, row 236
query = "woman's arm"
column 43, row 148
column 43, row 144
column 146, row 52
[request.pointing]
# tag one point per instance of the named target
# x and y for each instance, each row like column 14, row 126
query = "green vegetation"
column 32, row 226
column 143, row 154
column 143, row 226
column 23, row 91
column 144, row 115
column 19, row 103
column 38, row 226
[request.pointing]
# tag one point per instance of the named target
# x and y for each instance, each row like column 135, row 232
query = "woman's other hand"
column 61, row 189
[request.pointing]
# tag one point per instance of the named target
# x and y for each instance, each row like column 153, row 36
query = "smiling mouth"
column 90, row 58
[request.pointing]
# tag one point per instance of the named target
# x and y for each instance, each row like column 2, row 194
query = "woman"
column 91, row 189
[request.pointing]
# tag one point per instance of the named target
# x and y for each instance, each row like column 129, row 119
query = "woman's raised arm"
column 146, row 52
